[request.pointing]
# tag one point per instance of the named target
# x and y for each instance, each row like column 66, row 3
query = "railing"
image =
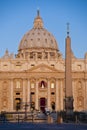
column 20, row 117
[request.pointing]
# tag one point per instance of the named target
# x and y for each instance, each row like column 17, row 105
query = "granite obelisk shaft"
column 68, row 76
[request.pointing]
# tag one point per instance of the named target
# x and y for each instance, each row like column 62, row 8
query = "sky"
column 17, row 17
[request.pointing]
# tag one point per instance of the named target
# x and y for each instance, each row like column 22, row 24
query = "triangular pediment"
column 42, row 68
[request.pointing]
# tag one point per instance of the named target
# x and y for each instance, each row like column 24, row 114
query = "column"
column 75, row 95
column 29, row 56
column 11, row 95
column 36, row 56
column 85, row 97
column 61, row 95
column 48, row 56
column 48, row 95
column 28, row 93
column 42, row 55
column 86, row 94
column 36, row 95
column 57, row 96
column 24, row 55
column 74, row 91
column 24, row 91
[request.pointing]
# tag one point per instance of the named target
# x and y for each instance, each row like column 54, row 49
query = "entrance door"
column 42, row 104
column 18, row 103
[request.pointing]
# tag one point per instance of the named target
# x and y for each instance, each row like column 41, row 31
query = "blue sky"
column 17, row 16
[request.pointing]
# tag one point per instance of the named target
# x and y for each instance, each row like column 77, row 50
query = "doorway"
column 42, row 104
column 18, row 103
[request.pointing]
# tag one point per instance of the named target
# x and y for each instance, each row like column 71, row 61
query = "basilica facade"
column 35, row 76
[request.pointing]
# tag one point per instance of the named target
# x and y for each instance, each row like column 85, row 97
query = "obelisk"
column 68, row 74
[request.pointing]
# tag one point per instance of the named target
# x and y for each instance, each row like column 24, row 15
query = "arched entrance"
column 42, row 104
column 18, row 103
column 53, row 105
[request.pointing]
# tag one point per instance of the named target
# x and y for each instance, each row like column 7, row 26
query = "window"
column 17, row 93
column 31, row 40
column 18, row 66
column 18, row 84
column 43, row 84
column 32, row 85
column 31, row 55
column 32, row 64
column 45, row 40
column 52, row 93
column 45, row 55
column 52, row 54
column 39, row 55
column 79, row 67
column 52, row 65
column 53, row 105
column 51, row 41
column 18, row 103
column 32, row 93
column 52, row 85
column 5, row 65
column 38, row 39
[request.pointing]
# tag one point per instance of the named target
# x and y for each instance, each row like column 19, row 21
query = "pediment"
column 42, row 68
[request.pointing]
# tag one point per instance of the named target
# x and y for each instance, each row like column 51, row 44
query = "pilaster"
column 28, row 93
column 24, row 91
column 11, row 95
column 57, row 95
column 85, row 94
column 61, row 95
column 74, row 94
column 48, row 95
column 36, row 96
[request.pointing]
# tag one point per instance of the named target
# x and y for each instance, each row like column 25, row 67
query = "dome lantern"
column 38, row 23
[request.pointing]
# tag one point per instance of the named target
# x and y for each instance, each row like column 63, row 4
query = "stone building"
column 36, row 74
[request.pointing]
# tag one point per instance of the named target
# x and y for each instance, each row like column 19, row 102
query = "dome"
column 38, row 37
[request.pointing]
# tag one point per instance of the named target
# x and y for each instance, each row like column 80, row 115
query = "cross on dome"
column 38, row 23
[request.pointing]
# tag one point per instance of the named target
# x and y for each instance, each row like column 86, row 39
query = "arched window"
column 32, row 85
column 18, row 103
column 18, row 84
column 52, row 85
column 42, row 84
column 53, row 105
